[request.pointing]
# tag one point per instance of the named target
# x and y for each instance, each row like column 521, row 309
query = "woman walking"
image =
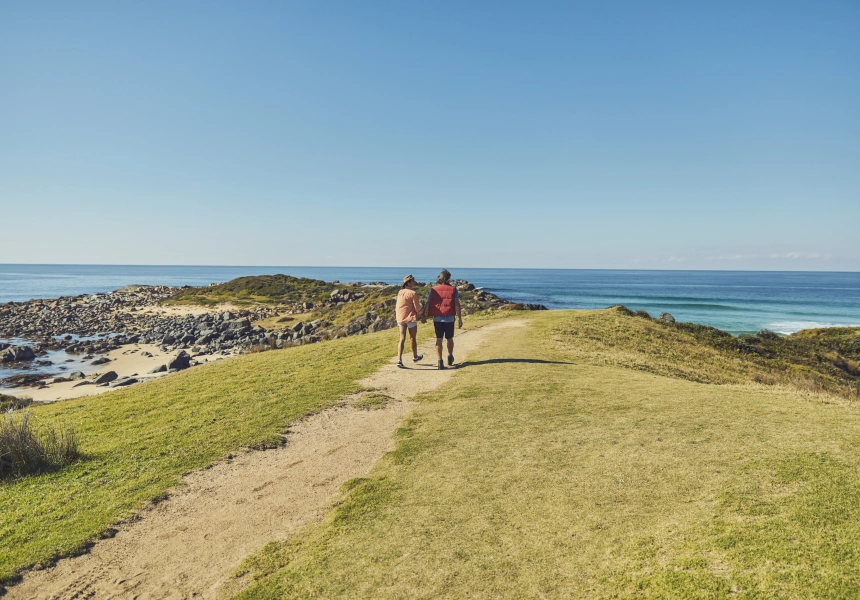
column 408, row 311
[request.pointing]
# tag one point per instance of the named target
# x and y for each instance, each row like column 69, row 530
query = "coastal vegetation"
column 135, row 443
column 263, row 289
column 819, row 360
column 559, row 465
column 26, row 447
column 600, row 453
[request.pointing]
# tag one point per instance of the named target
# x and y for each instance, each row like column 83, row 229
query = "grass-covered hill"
column 819, row 360
column 261, row 289
column 586, row 454
column 594, row 455
column 336, row 309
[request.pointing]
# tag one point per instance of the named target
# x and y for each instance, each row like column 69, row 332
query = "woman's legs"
column 400, row 345
column 413, row 337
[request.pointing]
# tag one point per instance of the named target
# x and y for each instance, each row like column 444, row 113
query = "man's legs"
column 450, row 351
column 440, row 333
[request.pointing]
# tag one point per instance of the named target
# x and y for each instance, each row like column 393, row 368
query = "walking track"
column 188, row 545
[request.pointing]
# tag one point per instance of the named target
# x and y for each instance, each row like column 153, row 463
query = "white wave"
column 788, row 327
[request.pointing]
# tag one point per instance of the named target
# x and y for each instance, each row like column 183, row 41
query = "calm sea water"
column 735, row 301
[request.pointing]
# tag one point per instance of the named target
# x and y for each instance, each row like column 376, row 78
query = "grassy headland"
column 259, row 289
column 334, row 305
column 136, row 443
column 591, row 455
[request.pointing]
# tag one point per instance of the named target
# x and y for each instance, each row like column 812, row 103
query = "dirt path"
column 187, row 545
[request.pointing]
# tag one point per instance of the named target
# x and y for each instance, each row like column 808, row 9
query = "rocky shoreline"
column 91, row 326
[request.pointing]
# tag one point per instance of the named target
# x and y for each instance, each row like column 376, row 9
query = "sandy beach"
column 135, row 360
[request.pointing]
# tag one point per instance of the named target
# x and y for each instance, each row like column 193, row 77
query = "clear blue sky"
column 711, row 135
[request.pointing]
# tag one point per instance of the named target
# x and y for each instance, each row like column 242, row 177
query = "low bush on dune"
column 26, row 448
column 816, row 360
column 8, row 403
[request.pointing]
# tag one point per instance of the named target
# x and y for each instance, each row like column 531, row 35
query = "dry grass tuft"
column 25, row 448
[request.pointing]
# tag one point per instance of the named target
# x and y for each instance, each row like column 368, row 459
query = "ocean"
column 735, row 301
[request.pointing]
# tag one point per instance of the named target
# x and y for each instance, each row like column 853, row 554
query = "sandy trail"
column 188, row 545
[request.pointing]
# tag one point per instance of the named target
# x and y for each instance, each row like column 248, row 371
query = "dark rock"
column 123, row 382
column 75, row 375
column 159, row 369
column 105, row 377
column 23, row 379
column 84, row 382
column 666, row 318
column 17, row 353
column 101, row 361
column 182, row 361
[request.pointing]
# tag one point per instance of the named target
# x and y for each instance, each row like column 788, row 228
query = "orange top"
column 408, row 306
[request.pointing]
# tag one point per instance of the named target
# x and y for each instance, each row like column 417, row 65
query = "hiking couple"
column 443, row 304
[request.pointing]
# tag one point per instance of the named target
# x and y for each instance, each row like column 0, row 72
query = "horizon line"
column 419, row 267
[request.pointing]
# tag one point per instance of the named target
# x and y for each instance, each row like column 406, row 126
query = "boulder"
column 123, row 382
column 159, row 369
column 101, row 361
column 182, row 361
column 75, row 375
column 105, row 377
column 17, row 353
column 666, row 318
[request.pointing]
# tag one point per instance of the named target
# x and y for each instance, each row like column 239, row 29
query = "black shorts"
column 445, row 330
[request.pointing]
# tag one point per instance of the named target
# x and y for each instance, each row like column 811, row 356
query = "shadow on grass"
column 497, row 361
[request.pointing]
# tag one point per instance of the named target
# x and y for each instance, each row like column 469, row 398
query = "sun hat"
column 407, row 279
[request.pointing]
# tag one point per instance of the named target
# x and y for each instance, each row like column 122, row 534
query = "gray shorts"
column 409, row 325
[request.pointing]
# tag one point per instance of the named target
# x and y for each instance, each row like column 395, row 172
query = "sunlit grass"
column 136, row 443
column 561, row 466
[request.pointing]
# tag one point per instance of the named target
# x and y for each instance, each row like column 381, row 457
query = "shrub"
column 26, row 449
column 8, row 403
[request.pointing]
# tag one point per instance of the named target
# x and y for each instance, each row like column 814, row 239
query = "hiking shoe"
column 441, row 364
column 450, row 359
column 417, row 358
column 400, row 364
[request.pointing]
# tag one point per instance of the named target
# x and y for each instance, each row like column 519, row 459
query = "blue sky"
column 693, row 135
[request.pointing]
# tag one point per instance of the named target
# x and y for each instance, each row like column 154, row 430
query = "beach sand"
column 125, row 361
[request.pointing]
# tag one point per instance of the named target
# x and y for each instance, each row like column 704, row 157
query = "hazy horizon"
column 439, row 266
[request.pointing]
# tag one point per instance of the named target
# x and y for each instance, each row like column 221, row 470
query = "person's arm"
column 459, row 312
column 427, row 304
column 416, row 304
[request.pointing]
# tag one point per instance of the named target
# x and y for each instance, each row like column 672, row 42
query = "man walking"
column 443, row 304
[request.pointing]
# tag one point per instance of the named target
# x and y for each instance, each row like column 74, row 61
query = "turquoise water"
column 735, row 301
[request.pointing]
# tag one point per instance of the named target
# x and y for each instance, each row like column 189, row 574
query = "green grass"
column 264, row 289
column 822, row 360
column 137, row 442
column 565, row 464
column 372, row 401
